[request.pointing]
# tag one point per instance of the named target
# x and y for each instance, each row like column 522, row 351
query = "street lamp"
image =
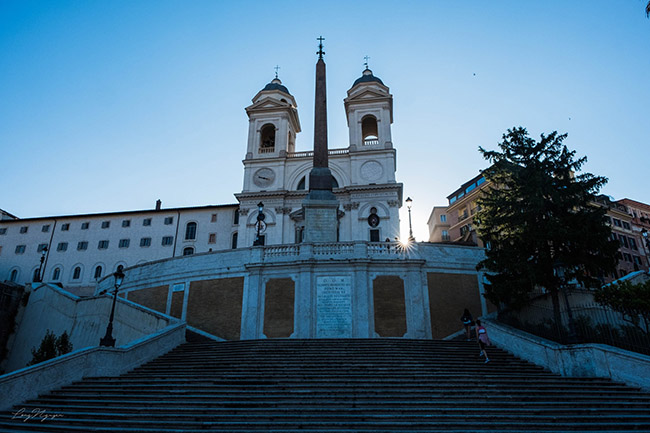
column 108, row 340
column 259, row 225
column 409, row 202
column 572, row 337
column 39, row 277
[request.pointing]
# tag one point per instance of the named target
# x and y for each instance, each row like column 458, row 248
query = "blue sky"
column 110, row 105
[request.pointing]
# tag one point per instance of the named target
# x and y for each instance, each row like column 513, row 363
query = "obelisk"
column 320, row 206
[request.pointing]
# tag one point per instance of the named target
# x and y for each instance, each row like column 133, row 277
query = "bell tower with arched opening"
column 273, row 122
column 369, row 110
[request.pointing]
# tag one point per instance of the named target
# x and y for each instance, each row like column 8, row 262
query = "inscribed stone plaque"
column 333, row 307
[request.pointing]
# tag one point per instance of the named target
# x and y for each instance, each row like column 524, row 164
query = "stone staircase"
column 373, row 385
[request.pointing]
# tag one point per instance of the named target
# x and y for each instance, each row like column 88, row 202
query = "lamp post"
column 39, row 277
column 409, row 202
column 108, row 340
column 572, row 337
column 259, row 225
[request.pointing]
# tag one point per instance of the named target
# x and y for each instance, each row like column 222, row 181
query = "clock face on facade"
column 264, row 177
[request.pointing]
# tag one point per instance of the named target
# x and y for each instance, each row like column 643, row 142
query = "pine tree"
column 539, row 215
column 51, row 347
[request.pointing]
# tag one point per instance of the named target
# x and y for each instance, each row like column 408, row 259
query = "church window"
column 124, row 243
column 126, row 223
column 98, row 272
column 146, row 222
column 81, row 246
column 301, row 184
column 335, row 183
column 267, row 138
column 84, row 226
column 41, row 248
column 190, row 231
column 145, row 242
column 213, row 218
column 14, row 276
column 56, row 274
column 63, row 246
column 167, row 240
column 65, row 227
column 374, row 235
column 23, row 230
column 35, row 276
column 20, row 249
column 300, row 231
column 169, row 221
column 3, row 231
column 234, row 241
column 106, row 224
column 102, row 245
column 369, row 130
column 76, row 274
column 45, row 228
column 188, row 251
column 212, row 239
column 235, row 219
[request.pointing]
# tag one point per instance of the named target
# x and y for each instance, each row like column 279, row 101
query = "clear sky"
column 110, row 105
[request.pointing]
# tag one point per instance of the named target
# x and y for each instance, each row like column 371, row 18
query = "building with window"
column 627, row 218
column 78, row 250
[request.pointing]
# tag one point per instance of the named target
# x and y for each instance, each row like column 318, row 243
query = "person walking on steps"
column 466, row 318
column 483, row 339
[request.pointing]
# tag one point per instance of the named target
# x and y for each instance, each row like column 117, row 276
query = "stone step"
column 381, row 385
column 109, row 410
column 366, row 424
column 459, row 400
column 311, row 386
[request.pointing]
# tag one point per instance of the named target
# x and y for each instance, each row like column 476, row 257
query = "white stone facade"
column 364, row 171
column 78, row 241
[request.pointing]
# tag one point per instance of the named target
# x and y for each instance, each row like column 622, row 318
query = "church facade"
column 309, row 250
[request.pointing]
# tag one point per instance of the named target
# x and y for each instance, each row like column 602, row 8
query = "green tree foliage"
column 51, row 347
column 536, row 215
column 632, row 300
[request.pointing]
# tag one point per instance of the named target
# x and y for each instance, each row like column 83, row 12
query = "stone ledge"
column 27, row 383
column 578, row 360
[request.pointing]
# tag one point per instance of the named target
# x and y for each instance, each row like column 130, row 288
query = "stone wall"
column 272, row 291
column 449, row 295
column 215, row 306
column 84, row 319
column 389, row 306
column 279, row 299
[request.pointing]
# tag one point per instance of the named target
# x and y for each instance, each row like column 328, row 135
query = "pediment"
column 368, row 94
column 268, row 103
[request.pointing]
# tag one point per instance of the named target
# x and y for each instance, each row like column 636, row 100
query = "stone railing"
column 266, row 150
column 371, row 142
column 281, row 251
column 310, row 153
column 332, row 249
